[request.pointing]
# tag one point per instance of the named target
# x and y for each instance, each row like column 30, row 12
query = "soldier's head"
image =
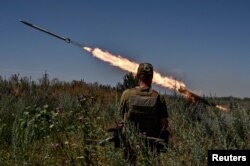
column 145, row 73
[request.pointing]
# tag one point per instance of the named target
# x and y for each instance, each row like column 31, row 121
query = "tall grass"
column 63, row 123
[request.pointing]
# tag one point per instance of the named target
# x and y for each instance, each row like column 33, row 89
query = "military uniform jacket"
column 144, row 108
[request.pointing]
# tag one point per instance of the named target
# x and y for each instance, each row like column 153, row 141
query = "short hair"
column 145, row 72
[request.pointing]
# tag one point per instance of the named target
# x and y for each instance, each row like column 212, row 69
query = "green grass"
column 54, row 126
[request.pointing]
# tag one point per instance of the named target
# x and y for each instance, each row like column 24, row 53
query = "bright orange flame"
column 130, row 66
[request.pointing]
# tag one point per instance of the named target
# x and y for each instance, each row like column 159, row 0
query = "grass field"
column 60, row 123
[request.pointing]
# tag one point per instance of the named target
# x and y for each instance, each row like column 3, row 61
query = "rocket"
column 185, row 92
column 67, row 40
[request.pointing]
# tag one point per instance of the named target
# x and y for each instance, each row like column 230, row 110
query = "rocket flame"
column 130, row 66
column 194, row 98
column 221, row 108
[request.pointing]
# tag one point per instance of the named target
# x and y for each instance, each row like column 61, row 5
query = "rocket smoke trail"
column 130, row 66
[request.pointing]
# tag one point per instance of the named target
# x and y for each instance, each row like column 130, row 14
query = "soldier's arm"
column 163, row 113
column 123, row 108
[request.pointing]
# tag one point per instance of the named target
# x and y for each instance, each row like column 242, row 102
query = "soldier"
column 146, row 110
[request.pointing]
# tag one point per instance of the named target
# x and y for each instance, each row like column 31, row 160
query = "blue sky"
column 206, row 44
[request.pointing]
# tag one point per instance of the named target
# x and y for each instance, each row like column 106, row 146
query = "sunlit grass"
column 63, row 123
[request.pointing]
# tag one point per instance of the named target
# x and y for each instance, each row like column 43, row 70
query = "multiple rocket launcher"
column 185, row 92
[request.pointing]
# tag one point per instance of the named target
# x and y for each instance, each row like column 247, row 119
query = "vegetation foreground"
column 58, row 123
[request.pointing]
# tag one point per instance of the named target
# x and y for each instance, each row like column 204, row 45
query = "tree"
column 129, row 81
